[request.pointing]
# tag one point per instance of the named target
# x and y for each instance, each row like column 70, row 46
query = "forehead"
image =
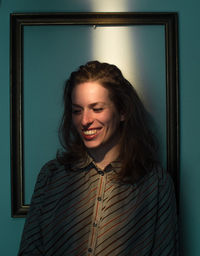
column 90, row 92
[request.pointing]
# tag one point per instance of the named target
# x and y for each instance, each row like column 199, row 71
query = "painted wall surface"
column 189, row 55
column 50, row 52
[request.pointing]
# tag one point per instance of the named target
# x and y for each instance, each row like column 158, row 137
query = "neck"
column 105, row 154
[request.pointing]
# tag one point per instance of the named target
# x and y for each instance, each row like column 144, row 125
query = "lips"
column 90, row 134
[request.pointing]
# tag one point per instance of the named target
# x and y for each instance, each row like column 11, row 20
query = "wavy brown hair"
column 138, row 147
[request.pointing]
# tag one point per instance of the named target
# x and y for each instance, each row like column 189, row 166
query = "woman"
column 105, row 194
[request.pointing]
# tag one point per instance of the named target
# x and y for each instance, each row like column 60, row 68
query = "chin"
column 91, row 145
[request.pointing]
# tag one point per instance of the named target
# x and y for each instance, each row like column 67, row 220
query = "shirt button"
column 94, row 224
column 89, row 249
column 99, row 198
column 101, row 173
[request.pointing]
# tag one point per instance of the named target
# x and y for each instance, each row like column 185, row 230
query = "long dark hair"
column 138, row 147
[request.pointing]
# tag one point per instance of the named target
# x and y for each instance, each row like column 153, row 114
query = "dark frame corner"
column 17, row 23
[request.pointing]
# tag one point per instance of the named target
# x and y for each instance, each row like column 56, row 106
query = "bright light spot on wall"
column 113, row 44
column 139, row 52
column 109, row 5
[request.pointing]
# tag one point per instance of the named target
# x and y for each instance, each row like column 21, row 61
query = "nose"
column 86, row 118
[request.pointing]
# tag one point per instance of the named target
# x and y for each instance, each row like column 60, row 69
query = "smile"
column 90, row 132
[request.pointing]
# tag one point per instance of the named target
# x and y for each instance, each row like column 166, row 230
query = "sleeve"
column 31, row 242
column 166, row 239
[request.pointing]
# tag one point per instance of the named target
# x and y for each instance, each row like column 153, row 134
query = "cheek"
column 105, row 119
column 111, row 121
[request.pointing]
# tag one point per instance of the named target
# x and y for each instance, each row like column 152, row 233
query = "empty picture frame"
column 18, row 23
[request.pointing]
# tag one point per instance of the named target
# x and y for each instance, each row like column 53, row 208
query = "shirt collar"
column 82, row 163
column 89, row 163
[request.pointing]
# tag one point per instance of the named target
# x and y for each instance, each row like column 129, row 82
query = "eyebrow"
column 90, row 105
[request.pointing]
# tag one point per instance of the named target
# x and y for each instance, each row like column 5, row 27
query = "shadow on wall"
column 187, row 241
column 53, row 55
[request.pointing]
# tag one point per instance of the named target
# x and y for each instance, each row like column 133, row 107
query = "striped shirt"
column 83, row 211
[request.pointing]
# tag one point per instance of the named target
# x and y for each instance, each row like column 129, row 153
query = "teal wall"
column 189, row 55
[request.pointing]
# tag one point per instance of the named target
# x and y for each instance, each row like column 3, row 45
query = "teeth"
column 90, row 132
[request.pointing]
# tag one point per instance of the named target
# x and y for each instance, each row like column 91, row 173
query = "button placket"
column 97, row 213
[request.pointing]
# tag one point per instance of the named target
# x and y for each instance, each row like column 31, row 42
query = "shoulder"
column 164, row 178
column 51, row 169
column 158, row 178
column 158, row 185
column 161, row 175
column 165, row 184
column 52, row 165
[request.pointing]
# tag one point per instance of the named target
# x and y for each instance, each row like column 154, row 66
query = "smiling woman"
column 123, row 115
column 106, row 193
column 97, row 121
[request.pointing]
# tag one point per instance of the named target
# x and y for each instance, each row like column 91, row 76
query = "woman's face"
column 94, row 115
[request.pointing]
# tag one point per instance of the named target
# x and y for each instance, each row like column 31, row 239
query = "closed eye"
column 76, row 111
column 97, row 109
